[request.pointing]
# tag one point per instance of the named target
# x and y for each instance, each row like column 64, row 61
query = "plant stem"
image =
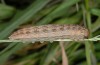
column 87, row 44
column 88, row 56
column 91, row 39
column 88, row 16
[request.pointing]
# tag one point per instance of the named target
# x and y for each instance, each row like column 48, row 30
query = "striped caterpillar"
column 50, row 33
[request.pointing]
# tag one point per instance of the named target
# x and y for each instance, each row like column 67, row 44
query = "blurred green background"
column 17, row 13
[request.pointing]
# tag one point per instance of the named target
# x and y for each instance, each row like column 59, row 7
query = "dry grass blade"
column 64, row 57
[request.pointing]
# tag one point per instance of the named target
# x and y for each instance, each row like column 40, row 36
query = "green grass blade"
column 8, row 47
column 95, row 12
column 5, row 56
column 70, row 20
column 96, row 25
column 6, row 11
column 57, row 12
column 49, row 54
column 23, row 17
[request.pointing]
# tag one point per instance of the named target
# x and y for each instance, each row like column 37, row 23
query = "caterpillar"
column 51, row 32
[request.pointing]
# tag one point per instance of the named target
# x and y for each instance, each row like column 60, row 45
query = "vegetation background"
column 19, row 13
